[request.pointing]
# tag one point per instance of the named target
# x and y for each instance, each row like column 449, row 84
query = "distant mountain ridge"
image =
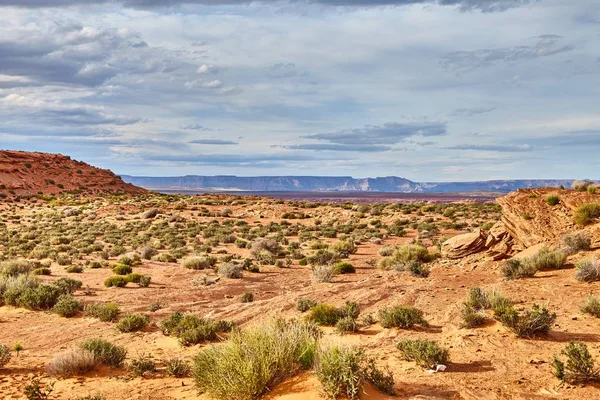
column 391, row 184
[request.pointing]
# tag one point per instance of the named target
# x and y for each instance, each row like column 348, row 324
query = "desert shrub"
column 74, row 269
column 141, row 365
column 386, row 251
column 107, row 312
column 42, row 271
column 552, row 199
column 517, row 269
column 122, row 269
column 340, row 371
column 324, row 314
column 579, row 367
column 68, row 285
column 247, row 297
column 426, row 353
column 529, row 323
column 347, row 324
column 133, row 277
column 322, row 273
column 576, row 241
column 546, row 259
column 472, row 317
column 105, row 352
column 147, row 252
column 416, row 268
column 304, row 304
column 67, row 306
column 343, row 248
column 16, row 267
column 43, row 297
column 255, row 359
column 588, row 271
column 413, row 252
column 34, row 390
column 63, row 259
column 144, row 281
column 401, row 317
column 231, row 271
column 150, row 213
column 199, row 262
column 591, row 305
column 271, row 246
column 586, row 213
column 477, row 301
column 133, row 323
column 73, row 363
column 581, row 186
column 115, row 281
column 177, row 367
column 5, row 355
column 344, row 268
column 90, row 397
column 191, row 329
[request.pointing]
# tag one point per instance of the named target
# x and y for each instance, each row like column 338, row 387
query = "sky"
column 430, row 90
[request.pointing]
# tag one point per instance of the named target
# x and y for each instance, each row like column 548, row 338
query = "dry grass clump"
column 304, row 304
column 586, row 213
column 591, row 305
column 254, row 360
column 343, row 318
column 576, row 242
column 107, row 312
column 177, row 367
column 199, row 262
column 17, row 267
column 141, row 365
column 231, row 271
column 191, row 329
column 5, row 355
column 322, row 273
column 426, row 353
column 552, row 199
column 408, row 257
column 473, row 309
column 546, row 259
column 73, row 363
column 133, row 323
column 105, row 352
column 517, row 269
column 579, row 367
column 342, row 371
column 404, row 317
column 528, row 323
column 588, row 271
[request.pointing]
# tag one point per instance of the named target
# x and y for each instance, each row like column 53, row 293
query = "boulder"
column 463, row 245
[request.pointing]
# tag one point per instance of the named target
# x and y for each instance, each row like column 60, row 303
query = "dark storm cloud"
column 464, row 5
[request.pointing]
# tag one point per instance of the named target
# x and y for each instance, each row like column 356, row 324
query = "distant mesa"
column 29, row 173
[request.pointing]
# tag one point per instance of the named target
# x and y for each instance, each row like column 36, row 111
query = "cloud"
column 463, row 5
column 196, row 127
column 501, row 148
column 386, row 134
column 340, row 147
column 213, row 142
column 207, row 69
column 465, row 61
column 469, row 112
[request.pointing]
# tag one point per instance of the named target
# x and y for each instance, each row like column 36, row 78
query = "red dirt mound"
column 27, row 173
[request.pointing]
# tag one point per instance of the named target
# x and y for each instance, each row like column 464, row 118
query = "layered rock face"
column 29, row 173
column 527, row 220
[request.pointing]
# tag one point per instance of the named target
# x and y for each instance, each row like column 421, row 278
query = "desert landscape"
column 109, row 291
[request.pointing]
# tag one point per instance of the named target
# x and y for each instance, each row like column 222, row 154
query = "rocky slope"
column 27, row 173
column 527, row 220
column 390, row 184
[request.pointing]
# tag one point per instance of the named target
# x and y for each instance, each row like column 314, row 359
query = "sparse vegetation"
column 403, row 317
column 588, row 271
column 73, row 363
column 586, row 213
column 591, row 305
column 426, row 353
column 133, row 323
column 528, row 323
column 105, row 352
column 579, row 367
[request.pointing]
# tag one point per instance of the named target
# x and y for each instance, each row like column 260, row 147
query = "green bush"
column 401, row 317
column 105, row 352
column 74, row 269
column 253, row 360
column 247, row 297
column 546, row 259
column 344, row 268
column 529, row 323
column 198, row 263
column 552, row 199
column 586, row 213
column 115, row 281
column 304, row 304
column 426, row 353
column 42, row 271
column 121, row 269
column 579, row 367
column 133, row 323
column 107, row 312
column 67, row 306
column 324, row 314
column 346, row 324
column 68, row 285
column 191, row 329
column 43, row 297
column 477, row 301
